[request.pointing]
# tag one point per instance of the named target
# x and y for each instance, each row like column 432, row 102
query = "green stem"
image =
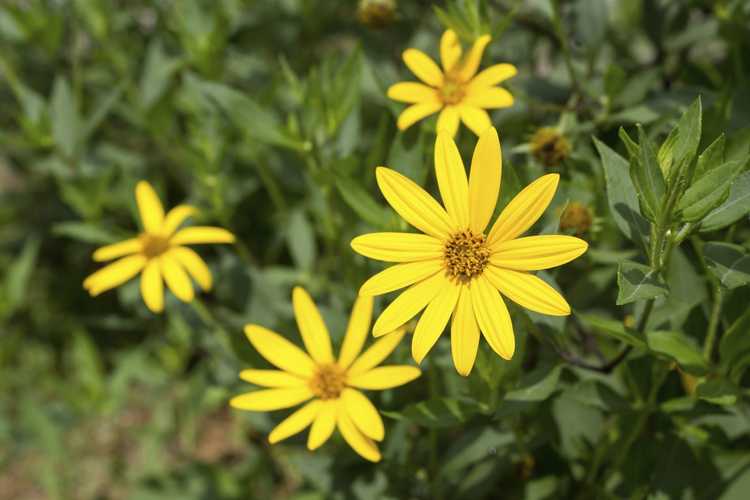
column 434, row 470
column 713, row 322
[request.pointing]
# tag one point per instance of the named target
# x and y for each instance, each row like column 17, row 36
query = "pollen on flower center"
column 452, row 91
column 466, row 255
column 153, row 245
column 328, row 381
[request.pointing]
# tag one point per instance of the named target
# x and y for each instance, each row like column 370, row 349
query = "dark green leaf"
column 19, row 274
column 621, row 195
column 718, row 391
column 537, row 385
column 735, row 344
column 362, row 203
column 678, row 347
column 688, row 139
column 647, row 177
column 736, row 206
column 437, row 413
column 300, row 239
column 638, row 282
column 711, row 157
column 709, row 191
column 614, row 329
column 730, row 263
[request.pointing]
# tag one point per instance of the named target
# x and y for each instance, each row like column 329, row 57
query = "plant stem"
column 713, row 322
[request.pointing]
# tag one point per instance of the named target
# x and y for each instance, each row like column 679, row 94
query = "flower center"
column 466, row 255
column 153, row 245
column 328, row 381
column 452, row 91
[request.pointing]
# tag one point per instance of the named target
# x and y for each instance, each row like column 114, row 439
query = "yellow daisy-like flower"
column 331, row 384
column 456, row 268
column 457, row 89
column 158, row 252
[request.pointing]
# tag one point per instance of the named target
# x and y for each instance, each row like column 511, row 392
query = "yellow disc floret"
column 466, row 255
column 328, row 381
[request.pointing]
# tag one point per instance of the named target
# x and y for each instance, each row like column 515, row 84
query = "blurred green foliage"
column 271, row 116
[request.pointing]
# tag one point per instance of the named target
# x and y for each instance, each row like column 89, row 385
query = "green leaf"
column 647, row 177
column 678, row 347
column 537, row 385
column 613, row 329
column 158, row 74
column 736, row 206
column 84, row 231
column 718, row 391
column 437, row 413
column 621, row 195
column 687, row 140
column 709, row 191
column 730, row 263
column 711, row 157
column 65, row 118
column 476, row 445
column 599, row 395
column 638, row 282
column 300, row 238
column 362, row 203
column 19, row 274
column 734, row 348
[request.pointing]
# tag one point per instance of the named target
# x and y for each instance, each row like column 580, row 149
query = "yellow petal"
column 271, row 399
column 433, row 321
column 116, row 250
column 272, row 378
column 279, row 351
column 177, row 279
column 448, row 120
column 152, row 287
column 423, row 67
column 201, row 234
column 533, row 253
column 360, row 443
column 488, row 97
column 193, row 264
column 175, row 217
column 470, row 64
column 363, row 413
column 416, row 112
column 114, row 274
column 475, row 118
column 149, row 206
column 399, row 276
column 494, row 75
column 450, row 50
column 376, row 353
column 528, row 291
column 412, row 92
column 409, row 303
column 311, row 327
column 296, row 422
column 451, row 178
column 324, row 424
column 413, row 203
column 492, row 316
column 398, row 247
column 524, row 210
column 484, row 180
column 464, row 335
column 356, row 331
column 385, row 377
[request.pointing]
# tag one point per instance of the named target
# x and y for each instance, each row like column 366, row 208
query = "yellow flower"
column 457, row 89
column 159, row 252
column 456, row 268
column 331, row 384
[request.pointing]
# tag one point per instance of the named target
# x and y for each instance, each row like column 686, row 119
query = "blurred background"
column 270, row 116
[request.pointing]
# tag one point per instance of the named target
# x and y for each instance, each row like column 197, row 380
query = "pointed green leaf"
column 718, row 391
column 678, row 347
column 730, row 263
column 65, row 119
column 537, row 385
column 647, row 177
column 734, row 348
column 736, row 206
column 606, row 327
column 709, row 191
column 621, row 195
column 638, row 282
